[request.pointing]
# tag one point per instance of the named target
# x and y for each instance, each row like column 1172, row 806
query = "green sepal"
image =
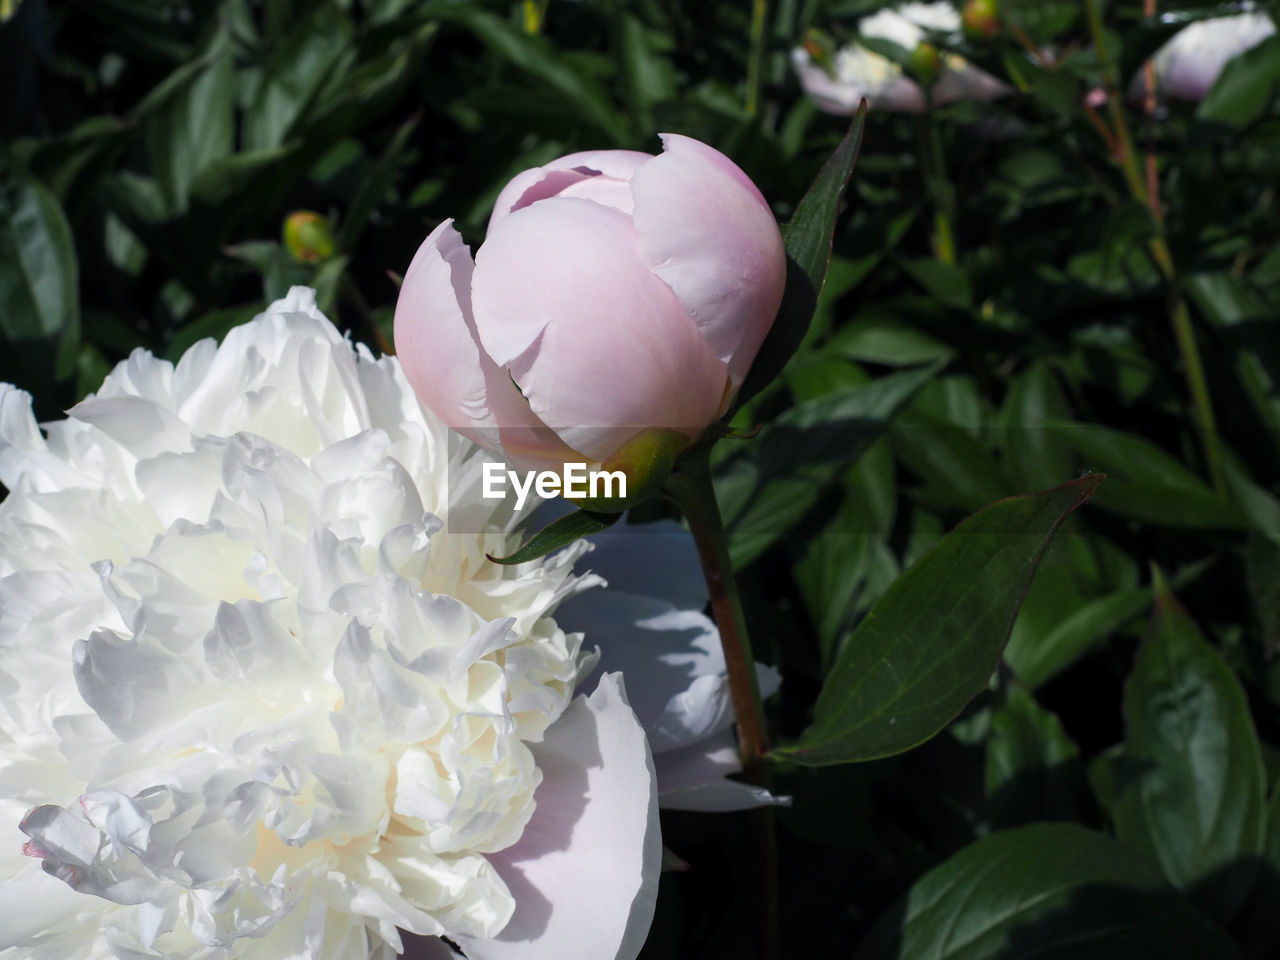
column 807, row 240
column 557, row 534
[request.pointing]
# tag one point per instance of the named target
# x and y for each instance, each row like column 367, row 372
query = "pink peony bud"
column 616, row 294
column 1190, row 61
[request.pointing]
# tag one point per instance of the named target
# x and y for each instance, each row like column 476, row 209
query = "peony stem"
column 1149, row 112
column 939, row 185
column 690, row 486
column 1179, row 315
column 755, row 61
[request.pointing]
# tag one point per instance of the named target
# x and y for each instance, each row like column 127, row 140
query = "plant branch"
column 755, row 61
column 1149, row 112
column 939, row 184
column 690, row 486
column 1179, row 314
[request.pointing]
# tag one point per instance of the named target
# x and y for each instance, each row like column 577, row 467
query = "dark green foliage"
column 1112, row 790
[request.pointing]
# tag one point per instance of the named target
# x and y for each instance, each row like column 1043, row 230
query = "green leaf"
column 648, row 77
column 1128, row 228
column 1189, row 785
column 1038, row 457
column 559, row 533
column 91, row 369
column 1033, row 770
column 539, row 59
column 1245, row 322
column 1023, row 736
column 1036, row 660
column 807, row 240
column 222, row 179
column 767, row 490
column 193, row 130
column 1056, row 90
column 39, row 276
column 1044, row 891
column 876, row 336
column 1245, row 88
column 1146, row 483
column 279, row 269
column 959, row 469
column 327, row 281
column 930, row 644
column 1258, row 505
column 375, row 186
column 946, row 282
column 315, row 52
column 172, row 86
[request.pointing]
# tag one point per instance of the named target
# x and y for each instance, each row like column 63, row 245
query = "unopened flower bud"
column 614, row 308
column 926, row 63
column 308, row 237
column 981, row 18
column 821, row 50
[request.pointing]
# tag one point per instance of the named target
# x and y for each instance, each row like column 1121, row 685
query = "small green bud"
column 926, row 63
column 981, row 18
column 821, row 50
column 645, row 460
column 308, row 237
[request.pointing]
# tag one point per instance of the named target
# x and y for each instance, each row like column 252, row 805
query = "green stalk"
column 939, row 184
column 755, row 60
column 690, row 486
column 1179, row 314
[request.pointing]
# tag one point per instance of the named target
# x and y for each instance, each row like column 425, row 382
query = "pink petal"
column 967, row 82
column 900, row 96
column 600, row 346
column 547, row 181
column 606, row 190
column 1189, row 63
column 436, row 342
column 585, row 873
column 706, row 230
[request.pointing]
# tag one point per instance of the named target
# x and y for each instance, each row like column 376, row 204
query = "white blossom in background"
column 649, row 624
column 856, row 72
column 1189, row 63
column 255, row 702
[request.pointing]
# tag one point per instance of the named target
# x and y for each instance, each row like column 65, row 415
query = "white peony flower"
column 257, row 701
column 1189, row 63
column 911, row 23
column 856, row 72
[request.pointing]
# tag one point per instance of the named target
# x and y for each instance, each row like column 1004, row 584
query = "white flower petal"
column 258, row 698
column 695, row 778
column 583, row 888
